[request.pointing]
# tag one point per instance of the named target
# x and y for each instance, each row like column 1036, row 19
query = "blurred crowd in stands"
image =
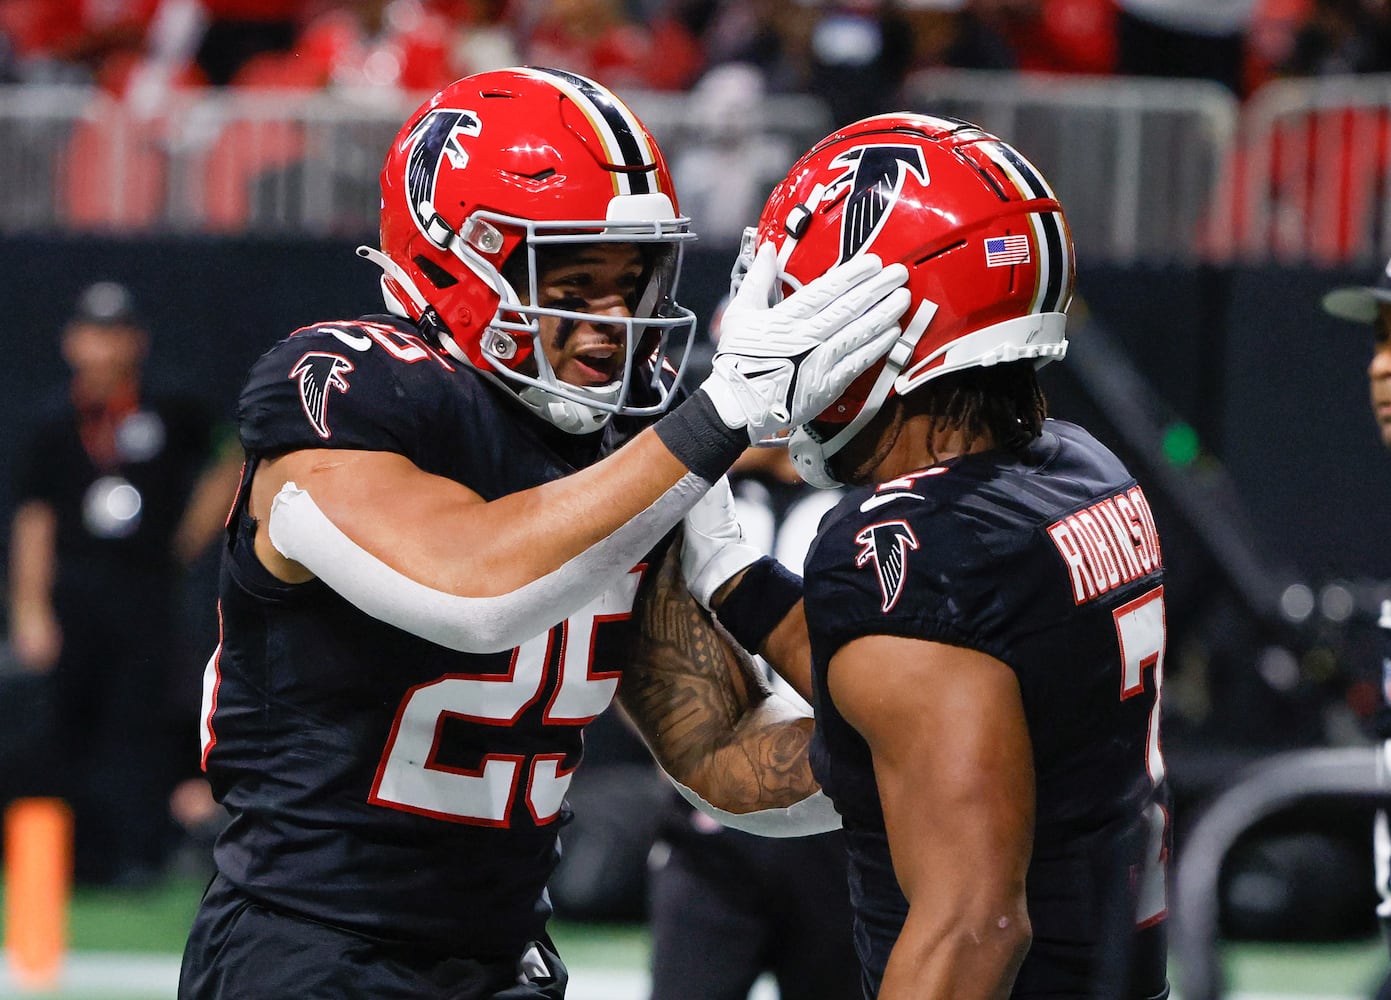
column 856, row 54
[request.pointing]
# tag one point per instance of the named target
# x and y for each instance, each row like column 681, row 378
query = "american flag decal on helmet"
column 887, row 546
column 1004, row 251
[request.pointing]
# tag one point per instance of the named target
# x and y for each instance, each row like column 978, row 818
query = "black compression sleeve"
column 761, row 599
column 696, row 435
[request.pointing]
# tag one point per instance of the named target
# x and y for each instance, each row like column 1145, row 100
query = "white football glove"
column 713, row 549
column 780, row 364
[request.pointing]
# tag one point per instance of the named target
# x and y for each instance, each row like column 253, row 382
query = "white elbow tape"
column 299, row 530
column 813, row 814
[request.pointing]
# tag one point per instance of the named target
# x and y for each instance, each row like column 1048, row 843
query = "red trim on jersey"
column 212, row 700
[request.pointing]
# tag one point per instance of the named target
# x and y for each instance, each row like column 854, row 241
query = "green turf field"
column 125, row 946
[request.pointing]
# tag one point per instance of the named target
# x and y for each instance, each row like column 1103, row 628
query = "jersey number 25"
column 411, row 778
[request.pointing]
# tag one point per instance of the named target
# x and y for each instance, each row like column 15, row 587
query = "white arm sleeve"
column 813, row 814
column 299, row 530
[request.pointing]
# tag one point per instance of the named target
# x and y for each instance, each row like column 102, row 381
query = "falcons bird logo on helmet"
column 317, row 374
column 887, row 546
column 875, row 175
column 436, row 137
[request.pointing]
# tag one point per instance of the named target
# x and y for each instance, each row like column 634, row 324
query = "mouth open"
column 597, row 365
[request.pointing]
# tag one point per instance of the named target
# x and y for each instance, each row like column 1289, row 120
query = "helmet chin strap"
column 811, row 457
column 393, row 271
column 417, row 309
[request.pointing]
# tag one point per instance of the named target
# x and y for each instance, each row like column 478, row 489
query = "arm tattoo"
column 704, row 709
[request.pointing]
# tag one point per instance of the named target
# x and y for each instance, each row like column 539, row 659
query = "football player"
column 454, row 537
column 987, row 606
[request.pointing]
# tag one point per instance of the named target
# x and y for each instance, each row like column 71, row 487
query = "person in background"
column 986, row 604
column 1370, row 305
column 725, row 175
column 1200, row 39
column 601, row 38
column 1060, row 36
column 117, row 492
column 462, row 522
column 1339, row 37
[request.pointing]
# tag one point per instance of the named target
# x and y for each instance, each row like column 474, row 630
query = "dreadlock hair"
column 1003, row 401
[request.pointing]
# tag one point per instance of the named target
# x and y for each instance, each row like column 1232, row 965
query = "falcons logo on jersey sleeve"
column 318, row 373
column 887, row 546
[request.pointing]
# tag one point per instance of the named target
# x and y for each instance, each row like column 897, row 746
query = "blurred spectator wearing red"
column 70, row 40
column 363, row 44
column 1270, row 39
column 1059, row 36
column 596, row 38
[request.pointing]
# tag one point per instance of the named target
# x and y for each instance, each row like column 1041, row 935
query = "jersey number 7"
column 1141, row 633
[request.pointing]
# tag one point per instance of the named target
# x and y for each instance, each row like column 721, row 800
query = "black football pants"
column 241, row 950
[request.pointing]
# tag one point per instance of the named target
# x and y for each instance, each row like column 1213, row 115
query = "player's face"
column 1379, row 374
column 601, row 278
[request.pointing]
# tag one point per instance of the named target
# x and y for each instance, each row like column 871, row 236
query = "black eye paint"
column 563, row 331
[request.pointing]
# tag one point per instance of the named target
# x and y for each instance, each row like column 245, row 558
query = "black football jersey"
column 1049, row 562
column 374, row 780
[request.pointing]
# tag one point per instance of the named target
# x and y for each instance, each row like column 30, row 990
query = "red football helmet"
column 495, row 166
column 988, row 252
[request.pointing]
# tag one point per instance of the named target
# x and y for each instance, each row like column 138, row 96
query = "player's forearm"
column 429, row 556
column 953, row 955
column 705, row 711
column 788, row 649
column 764, row 766
column 735, row 751
column 449, row 539
column 686, row 688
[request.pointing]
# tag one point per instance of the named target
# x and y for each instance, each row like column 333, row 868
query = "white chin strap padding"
column 571, row 416
column 1040, row 337
column 809, row 459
